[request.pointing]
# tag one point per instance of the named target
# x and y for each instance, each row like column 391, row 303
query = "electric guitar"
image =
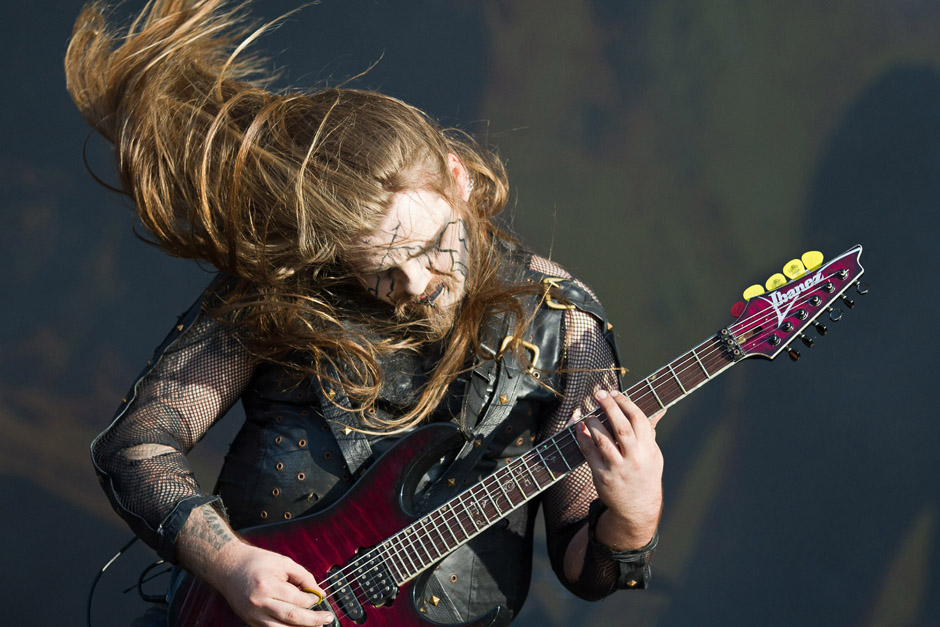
column 367, row 549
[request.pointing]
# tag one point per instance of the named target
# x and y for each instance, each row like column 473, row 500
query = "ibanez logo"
column 782, row 301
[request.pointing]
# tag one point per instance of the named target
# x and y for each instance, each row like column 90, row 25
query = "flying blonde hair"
column 273, row 188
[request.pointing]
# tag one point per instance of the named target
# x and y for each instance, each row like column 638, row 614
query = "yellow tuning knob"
column 751, row 292
column 812, row 259
column 775, row 281
column 794, row 269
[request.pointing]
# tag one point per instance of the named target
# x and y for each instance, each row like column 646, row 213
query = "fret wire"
column 479, row 507
column 424, row 529
column 394, row 546
column 416, row 546
column 450, row 529
column 525, row 463
column 460, row 524
column 438, row 530
column 392, row 563
column 538, row 450
column 496, row 507
column 555, row 442
column 518, row 484
column 678, row 380
column 499, row 484
column 402, row 539
column 467, row 511
column 655, row 395
column 701, row 365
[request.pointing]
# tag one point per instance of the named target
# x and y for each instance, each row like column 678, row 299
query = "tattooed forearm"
column 214, row 531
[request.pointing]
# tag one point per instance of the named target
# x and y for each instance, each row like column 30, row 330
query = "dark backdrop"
column 671, row 153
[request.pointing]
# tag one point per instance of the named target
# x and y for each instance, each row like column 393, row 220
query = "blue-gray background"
column 671, row 153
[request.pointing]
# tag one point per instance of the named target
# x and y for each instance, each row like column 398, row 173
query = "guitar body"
column 375, row 508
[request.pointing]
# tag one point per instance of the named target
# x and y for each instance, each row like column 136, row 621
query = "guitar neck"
column 431, row 538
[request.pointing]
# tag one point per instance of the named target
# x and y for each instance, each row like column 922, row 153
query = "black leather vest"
column 286, row 462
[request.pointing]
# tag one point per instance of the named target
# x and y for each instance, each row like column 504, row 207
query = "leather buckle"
column 532, row 348
column 550, row 282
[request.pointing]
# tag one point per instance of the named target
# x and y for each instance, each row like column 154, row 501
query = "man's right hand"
column 264, row 588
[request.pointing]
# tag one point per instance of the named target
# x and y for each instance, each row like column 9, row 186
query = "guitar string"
column 563, row 446
column 707, row 357
column 487, row 498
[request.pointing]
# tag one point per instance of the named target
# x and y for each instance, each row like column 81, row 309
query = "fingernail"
column 614, row 393
column 600, row 394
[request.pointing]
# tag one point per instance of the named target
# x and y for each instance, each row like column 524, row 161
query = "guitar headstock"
column 770, row 322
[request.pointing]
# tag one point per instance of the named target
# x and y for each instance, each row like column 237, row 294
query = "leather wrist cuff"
column 634, row 564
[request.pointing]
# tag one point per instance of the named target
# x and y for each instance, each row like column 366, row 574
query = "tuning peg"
column 821, row 329
column 794, row 269
column 861, row 287
column 776, row 280
column 848, row 302
column 835, row 314
column 738, row 308
column 812, row 259
column 794, row 354
column 751, row 292
column 808, row 341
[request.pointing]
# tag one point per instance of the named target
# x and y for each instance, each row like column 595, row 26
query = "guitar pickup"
column 343, row 595
column 374, row 579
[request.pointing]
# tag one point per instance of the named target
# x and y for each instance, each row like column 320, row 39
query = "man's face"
column 417, row 258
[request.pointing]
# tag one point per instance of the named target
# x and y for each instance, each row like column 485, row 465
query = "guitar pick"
column 751, row 292
column 775, row 281
column 812, row 259
column 794, row 269
column 738, row 308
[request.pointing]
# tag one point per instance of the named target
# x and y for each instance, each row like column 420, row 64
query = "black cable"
column 94, row 583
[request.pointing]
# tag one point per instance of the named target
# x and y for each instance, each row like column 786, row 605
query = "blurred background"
column 671, row 153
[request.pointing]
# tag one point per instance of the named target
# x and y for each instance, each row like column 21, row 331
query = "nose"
column 414, row 277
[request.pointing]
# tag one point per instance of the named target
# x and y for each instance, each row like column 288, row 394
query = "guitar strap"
column 353, row 445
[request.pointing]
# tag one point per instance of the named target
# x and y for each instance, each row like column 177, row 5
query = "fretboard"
column 429, row 539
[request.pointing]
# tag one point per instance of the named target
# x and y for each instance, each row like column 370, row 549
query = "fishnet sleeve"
column 140, row 457
column 589, row 365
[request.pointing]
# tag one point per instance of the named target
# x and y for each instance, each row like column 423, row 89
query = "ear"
column 457, row 169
